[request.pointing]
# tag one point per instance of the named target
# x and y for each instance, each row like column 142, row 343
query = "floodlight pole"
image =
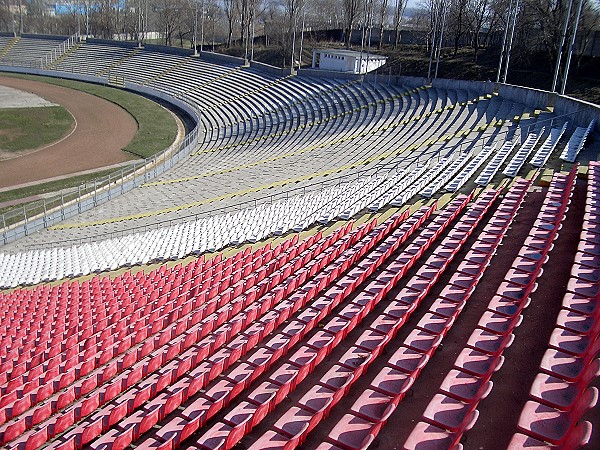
column 439, row 50
column 301, row 36
column 12, row 20
column 571, row 48
column 504, row 41
column 195, row 29
column 20, row 17
column 433, row 40
column 561, row 46
column 202, row 30
column 293, row 39
column 362, row 37
column 512, row 33
column 139, row 30
column 252, row 43
column 87, row 19
column 246, row 37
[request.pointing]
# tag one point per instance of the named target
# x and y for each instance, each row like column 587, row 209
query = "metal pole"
column 439, row 50
column 370, row 33
column 504, row 41
column 561, row 46
column 433, row 40
column 202, row 30
column 196, row 29
column 20, row 17
column 302, row 37
column 571, row 48
column 512, row 33
column 246, row 32
column 139, row 27
column 252, row 43
column 293, row 39
column 12, row 17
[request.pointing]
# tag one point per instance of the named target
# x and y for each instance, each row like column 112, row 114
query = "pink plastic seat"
column 429, row 437
column 373, row 406
column 392, row 382
column 561, row 394
column 463, row 386
column 447, row 412
column 579, row 437
column 352, row 433
column 551, row 425
column 478, row 363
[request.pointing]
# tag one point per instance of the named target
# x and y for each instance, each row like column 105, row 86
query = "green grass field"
column 31, row 128
column 157, row 128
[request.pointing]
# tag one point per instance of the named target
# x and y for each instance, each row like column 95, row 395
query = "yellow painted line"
column 250, row 190
column 306, row 125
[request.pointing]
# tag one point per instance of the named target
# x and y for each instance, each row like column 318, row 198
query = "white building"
column 340, row 60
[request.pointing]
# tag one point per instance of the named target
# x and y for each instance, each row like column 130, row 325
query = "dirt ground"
column 102, row 130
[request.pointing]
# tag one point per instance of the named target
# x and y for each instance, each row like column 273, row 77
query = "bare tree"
column 480, row 13
column 383, row 13
column 398, row 13
column 351, row 14
column 229, row 7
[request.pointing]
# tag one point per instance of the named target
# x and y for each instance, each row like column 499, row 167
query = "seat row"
column 541, row 156
column 559, row 395
column 208, row 234
column 302, row 288
column 213, row 307
column 289, row 374
column 519, row 159
column 373, row 406
column 577, row 141
column 369, row 413
column 453, row 410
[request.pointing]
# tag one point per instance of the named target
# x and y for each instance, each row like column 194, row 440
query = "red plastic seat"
column 408, row 360
column 352, row 433
column 569, row 342
column 578, row 323
column 392, row 382
column 478, row 363
column 447, row 412
column 551, row 425
column 561, row 394
column 491, row 343
column 464, row 386
column 564, row 365
column 429, row 437
column 423, row 341
column 579, row 437
column 338, row 379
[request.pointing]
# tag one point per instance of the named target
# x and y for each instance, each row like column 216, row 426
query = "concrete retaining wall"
column 123, row 44
column 46, row 37
column 219, row 58
column 317, row 73
column 586, row 111
column 531, row 97
column 277, row 71
column 480, row 87
column 169, row 50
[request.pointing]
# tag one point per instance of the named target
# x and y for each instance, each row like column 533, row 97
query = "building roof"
column 349, row 53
